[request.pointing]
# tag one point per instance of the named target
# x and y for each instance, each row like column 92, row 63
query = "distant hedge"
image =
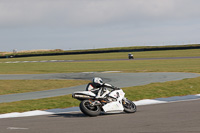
column 104, row 50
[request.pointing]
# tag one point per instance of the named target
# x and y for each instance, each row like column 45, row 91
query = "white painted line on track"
column 25, row 114
column 76, row 109
column 88, row 72
column 38, row 61
column 148, row 102
column 17, row 128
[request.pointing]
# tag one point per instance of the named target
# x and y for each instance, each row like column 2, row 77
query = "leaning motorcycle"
column 114, row 101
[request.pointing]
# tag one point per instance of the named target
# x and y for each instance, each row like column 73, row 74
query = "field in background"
column 101, row 50
column 155, row 90
column 169, row 65
column 116, row 55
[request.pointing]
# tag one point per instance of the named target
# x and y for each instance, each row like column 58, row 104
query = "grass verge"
column 150, row 91
column 166, row 89
column 178, row 65
column 21, row 86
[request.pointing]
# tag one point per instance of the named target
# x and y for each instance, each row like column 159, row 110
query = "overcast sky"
column 85, row 24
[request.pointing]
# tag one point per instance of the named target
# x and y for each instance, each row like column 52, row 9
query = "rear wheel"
column 87, row 109
column 129, row 106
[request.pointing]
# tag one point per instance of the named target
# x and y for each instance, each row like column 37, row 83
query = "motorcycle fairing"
column 113, row 107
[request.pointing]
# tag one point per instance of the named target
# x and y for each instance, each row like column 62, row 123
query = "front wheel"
column 87, row 109
column 129, row 106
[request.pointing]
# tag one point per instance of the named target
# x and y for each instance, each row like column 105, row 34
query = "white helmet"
column 97, row 80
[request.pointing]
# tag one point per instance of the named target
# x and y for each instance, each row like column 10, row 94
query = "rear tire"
column 87, row 109
column 129, row 106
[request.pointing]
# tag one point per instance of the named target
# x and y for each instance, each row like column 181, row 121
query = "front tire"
column 129, row 106
column 87, row 109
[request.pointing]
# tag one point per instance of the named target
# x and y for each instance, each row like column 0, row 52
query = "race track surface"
column 116, row 79
column 177, row 117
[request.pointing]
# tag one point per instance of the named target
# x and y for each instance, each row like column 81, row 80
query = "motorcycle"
column 112, row 101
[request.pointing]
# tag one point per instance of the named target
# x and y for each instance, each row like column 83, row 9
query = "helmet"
column 97, row 80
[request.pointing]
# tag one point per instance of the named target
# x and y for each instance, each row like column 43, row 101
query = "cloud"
column 34, row 24
column 93, row 12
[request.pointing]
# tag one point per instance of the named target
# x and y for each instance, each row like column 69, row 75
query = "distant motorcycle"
column 113, row 101
column 130, row 56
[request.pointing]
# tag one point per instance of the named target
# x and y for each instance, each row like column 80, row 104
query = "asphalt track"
column 177, row 117
column 117, row 79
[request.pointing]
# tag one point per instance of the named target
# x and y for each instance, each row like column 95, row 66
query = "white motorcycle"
column 113, row 101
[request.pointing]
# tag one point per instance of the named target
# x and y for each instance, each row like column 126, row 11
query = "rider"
column 99, row 88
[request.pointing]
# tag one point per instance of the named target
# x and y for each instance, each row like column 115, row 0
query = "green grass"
column 154, row 90
column 167, row 89
column 117, row 55
column 38, row 104
column 21, row 86
column 178, row 65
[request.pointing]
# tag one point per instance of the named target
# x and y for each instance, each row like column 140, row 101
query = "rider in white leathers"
column 99, row 88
